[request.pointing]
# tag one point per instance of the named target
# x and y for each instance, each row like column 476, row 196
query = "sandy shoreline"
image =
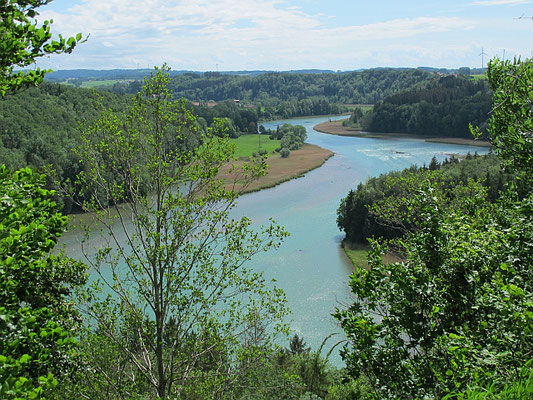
column 336, row 128
column 281, row 169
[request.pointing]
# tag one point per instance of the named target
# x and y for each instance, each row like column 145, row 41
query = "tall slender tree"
column 180, row 303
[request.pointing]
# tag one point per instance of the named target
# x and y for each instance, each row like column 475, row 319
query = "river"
column 310, row 266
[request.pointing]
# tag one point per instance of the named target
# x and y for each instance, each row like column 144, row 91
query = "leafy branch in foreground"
column 22, row 41
column 37, row 317
column 511, row 122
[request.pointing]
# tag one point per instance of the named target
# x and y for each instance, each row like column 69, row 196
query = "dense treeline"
column 241, row 119
column 356, row 216
column 40, row 127
column 269, row 89
column 443, row 107
column 300, row 108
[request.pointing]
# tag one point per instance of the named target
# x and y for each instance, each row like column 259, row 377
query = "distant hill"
column 133, row 74
column 270, row 88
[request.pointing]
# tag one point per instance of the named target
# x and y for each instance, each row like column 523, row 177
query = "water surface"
column 310, row 266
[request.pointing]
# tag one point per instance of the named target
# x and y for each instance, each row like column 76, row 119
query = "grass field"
column 357, row 254
column 249, row 144
column 93, row 84
column 479, row 76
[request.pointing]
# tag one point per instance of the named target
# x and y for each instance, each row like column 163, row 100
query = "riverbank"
column 281, row 169
column 336, row 128
column 358, row 252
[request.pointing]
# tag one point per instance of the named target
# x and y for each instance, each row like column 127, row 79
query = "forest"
column 440, row 107
column 172, row 310
column 268, row 89
column 290, row 94
column 355, row 215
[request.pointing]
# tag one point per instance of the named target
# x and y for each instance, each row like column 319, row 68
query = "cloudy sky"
column 209, row 35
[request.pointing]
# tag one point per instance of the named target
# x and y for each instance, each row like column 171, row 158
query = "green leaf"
column 26, row 358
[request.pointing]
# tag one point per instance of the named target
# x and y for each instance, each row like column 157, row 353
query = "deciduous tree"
column 458, row 309
column 180, row 303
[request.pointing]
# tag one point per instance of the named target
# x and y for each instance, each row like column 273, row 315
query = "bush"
column 285, row 152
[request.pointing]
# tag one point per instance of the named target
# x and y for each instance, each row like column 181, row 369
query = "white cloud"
column 248, row 34
column 500, row 2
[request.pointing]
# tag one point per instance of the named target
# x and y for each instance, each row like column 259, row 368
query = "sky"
column 230, row 35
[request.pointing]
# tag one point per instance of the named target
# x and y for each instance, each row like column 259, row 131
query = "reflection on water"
column 310, row 265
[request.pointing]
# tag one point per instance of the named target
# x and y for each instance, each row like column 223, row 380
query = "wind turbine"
column 482, row 54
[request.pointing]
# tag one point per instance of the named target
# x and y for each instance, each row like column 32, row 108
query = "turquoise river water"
column 310, row 265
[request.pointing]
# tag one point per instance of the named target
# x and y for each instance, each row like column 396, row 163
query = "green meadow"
column 93, row 84
column 249, row 144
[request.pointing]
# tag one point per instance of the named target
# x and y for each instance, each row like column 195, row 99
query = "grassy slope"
column 249, row 144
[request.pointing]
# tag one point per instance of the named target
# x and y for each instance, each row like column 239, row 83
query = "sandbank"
column 336, row 128
column 280, row 169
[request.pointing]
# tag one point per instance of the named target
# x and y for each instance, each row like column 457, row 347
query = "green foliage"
column 22, row 41
column 37, row 317
column 356, row 118
column 350, row 88
column 287, row 95
column 511, row 122
column 443, row 107
column 457, row 313
column 457, row 309
column 179, row 305
column 40, row 127
column 241, row 119
column 360, row 221
column 291, row 137
column 300, row 373
column 285, row 152
column 519, row 389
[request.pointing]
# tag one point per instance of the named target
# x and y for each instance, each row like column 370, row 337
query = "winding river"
column 310, row 265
